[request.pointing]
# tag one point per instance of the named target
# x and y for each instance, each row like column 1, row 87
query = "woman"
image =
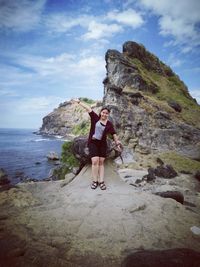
column 100, row 127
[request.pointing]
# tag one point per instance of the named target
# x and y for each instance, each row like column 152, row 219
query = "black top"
column 109, row 128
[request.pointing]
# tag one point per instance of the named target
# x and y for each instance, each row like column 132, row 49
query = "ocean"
column 22, row 151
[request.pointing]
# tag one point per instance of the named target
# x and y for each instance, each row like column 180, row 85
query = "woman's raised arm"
column 84, row 105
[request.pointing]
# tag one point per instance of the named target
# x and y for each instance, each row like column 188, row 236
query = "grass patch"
column 87, row 100
column 171, row 89
column 81, row 128
column 179, row 162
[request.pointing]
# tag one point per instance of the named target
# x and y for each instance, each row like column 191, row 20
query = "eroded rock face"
column 140, row 121
column 123, row 72
column 63, row 119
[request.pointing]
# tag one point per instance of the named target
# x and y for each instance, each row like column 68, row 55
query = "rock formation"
column 151, row 108
column 63, row 120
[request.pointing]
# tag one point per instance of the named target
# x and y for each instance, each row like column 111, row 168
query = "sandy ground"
column 48, row 224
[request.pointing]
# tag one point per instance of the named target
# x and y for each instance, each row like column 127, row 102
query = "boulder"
column 81, row 151
column 159, row 161
column 53, row 156
column 176, row 257
column 177, row 107
column 150, row 176
column 197, row 175
column 3, row 177
column 176, row 195
column 166, row 171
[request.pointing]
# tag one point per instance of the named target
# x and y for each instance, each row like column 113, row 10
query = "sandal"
column 94, row 185
column 102, row 185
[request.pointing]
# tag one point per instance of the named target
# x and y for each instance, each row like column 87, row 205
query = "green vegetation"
column 87, row 100
column 81, row 128
column 68, row 161
column 67, row 156
column 171, row 89
column 60, row 172
column 179, row 162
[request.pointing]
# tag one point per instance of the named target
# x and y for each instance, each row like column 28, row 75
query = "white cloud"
column 97, row 27
column 8, row 92
column 89, row 66
column 196, row 94
column 46, row 66
column 12, row 77
column 33, row 105
column 127, row 17
column 174, row 61
column 65, row 73
column 20, row 15
column 63, row 66
column 62, row 23
column 98, row 30
column 177, row 27
column 177, row 19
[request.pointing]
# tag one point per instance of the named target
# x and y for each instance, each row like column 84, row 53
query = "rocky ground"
column 65, row 223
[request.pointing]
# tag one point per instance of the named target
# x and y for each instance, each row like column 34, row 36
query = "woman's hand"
column 82, row 104
column 119, row 145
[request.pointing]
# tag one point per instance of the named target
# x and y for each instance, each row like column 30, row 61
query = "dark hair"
column 105, row 108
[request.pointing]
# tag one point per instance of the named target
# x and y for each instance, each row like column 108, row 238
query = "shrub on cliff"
column 68, row 162
column 67, row 156
column 81, row 128
column 87, row 100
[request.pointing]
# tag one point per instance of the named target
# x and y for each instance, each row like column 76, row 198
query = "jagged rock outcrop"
column 62, row 120
column 151, row 108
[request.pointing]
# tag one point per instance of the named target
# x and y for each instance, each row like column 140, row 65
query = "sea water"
column 22, row 151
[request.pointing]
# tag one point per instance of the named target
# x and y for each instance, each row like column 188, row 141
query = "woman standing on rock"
column 100, row 127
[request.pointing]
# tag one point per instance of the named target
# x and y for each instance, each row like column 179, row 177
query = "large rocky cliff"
column 151, row 107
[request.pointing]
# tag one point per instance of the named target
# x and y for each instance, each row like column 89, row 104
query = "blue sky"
column 52, row 51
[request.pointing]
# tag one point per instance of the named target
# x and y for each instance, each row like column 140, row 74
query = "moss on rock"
column 179, row 162
column 171, row 88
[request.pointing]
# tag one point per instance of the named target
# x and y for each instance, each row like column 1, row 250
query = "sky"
column 54, row 50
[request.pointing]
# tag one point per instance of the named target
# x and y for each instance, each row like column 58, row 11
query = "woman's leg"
column 95, row 168
column 101, row 169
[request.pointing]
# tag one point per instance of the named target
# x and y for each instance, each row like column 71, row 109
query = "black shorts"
column 97, row 148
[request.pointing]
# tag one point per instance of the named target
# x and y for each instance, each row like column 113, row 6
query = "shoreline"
column 18, row 167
